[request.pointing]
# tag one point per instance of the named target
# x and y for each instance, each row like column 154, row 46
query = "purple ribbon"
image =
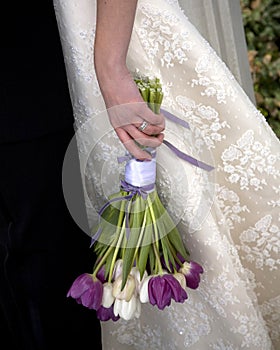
column 179, row 153
column 175, row 119
column 188, row 158
column 143, row 191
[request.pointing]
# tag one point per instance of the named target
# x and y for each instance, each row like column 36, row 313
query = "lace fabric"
column 236, row 237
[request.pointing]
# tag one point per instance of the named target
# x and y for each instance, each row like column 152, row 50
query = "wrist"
column 110, row 74
column 108, row 66
column 116, row 82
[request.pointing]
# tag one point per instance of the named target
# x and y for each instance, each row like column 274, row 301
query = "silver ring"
column 143, row 126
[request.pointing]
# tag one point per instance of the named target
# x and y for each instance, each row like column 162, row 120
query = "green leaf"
column 166, row 254
column 127, row 264
column 164, row 222
column 176, row 240
column 143, row 259
column 100, row 248
column 152, row 260
column 108, row 263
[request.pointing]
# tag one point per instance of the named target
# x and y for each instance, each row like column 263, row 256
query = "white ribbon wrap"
column 140, row 173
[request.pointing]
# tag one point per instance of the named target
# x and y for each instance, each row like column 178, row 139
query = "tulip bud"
column 185, row 268
column 192, row 272
column 136, row 273
column 126, row 309
column 181, row 279
column 128, row 289
column 107, row 298
column 87, row 290
column 117, row 269
column 144, row 293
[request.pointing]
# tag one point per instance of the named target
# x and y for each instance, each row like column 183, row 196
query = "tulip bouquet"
column 141, row 257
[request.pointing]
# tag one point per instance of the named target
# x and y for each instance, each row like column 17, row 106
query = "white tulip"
column 117, row 269
column 144, row 293
column 128, row 289
column 117, row 307
column 107, row 297
column 126, row 309
column 138, row 309
column 136, row 273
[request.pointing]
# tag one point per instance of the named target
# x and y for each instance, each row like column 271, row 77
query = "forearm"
column 114, row 25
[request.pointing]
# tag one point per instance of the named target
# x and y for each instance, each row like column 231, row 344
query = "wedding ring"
column 143, row 126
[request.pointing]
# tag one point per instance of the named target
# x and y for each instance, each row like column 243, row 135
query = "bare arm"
column 114, row 24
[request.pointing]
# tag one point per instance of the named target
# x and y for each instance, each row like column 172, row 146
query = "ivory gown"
column 230, row 223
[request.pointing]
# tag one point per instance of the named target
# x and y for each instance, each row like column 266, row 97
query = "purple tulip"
column 106, row 313
column 192, row 271
column 87, row 290
column 163, row 288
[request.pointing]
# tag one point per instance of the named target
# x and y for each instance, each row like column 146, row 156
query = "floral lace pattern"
column 247, row 327
column 236, row 236
column 156, row 32
column 206, row 118
column 261, row 244
column 247, row 161
column 214, row 87
column 229, row 203
column 271, row 311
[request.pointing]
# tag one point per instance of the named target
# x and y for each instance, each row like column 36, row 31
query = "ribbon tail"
column 106, row 205
column 98, row 232
column 175, row 119
column 188, row 158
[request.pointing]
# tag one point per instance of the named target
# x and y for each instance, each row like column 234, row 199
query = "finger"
column 144, row 139
column 131, row 146
column 135, row 113
column 150, row 129
column 154, row 141
column 147, row 114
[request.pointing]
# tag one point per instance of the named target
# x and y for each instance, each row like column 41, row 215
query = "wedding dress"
column 235, row 236
column 220, row 23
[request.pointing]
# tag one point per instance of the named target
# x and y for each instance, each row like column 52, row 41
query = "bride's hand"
column 127, row 112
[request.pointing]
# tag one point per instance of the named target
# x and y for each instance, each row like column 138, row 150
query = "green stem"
column 156, row 243
column 116, row 252
column 159, row 266
column 121, row 223
column 102, row 261
column 173, row 252
column 141, row 234
column 119, row 226
column 153, row 221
